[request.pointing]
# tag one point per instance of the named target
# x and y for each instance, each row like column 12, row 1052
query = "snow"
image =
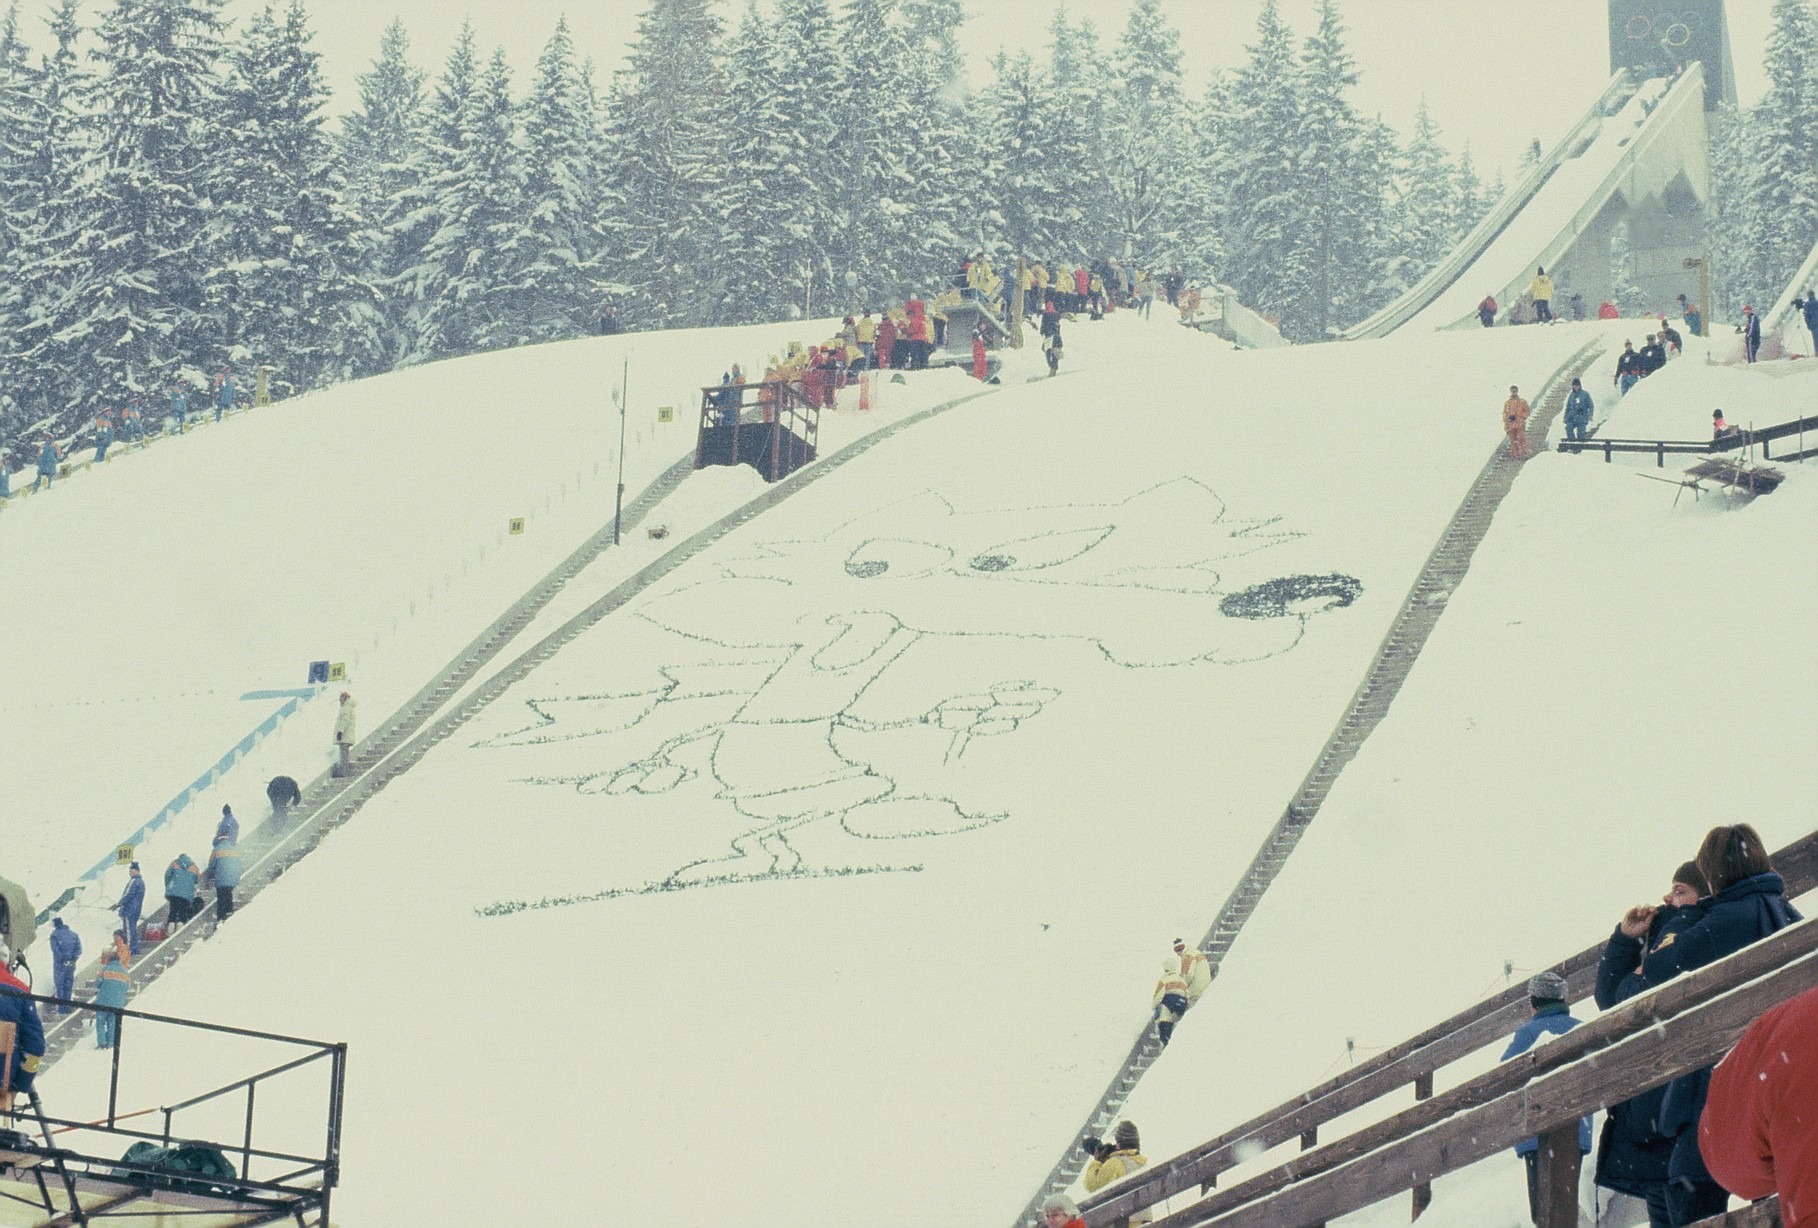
column 1014, row 765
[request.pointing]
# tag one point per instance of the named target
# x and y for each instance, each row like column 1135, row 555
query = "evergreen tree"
column 1425, row 205
column 1780, row 216
column 1030, row 185
column 379, row 139
column 475, row 297
column 747, row 218
column 1470, row 201
column 1261, row 164
column 411, row 277
column 288, row 291
column 1146, row 129
column 809, row 153
column 135, row 312
column 564, row 239
column 1074, row 140
column 666, row 161
column 871, row 192
column 1338, row 192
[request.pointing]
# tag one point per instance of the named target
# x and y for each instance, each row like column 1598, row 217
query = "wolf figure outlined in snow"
column 800, row 630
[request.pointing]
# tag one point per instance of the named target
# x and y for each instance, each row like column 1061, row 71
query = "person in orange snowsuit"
column 1515, row 423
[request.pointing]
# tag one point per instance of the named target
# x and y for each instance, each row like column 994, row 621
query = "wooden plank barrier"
column 1688, row 1023
column 1413, row 1062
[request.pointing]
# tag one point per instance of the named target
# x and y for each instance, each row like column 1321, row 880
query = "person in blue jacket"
column 1578, row 409
column 131, row 905
column 66, row 951
column 180, row 880
column 1809, row 309
column 228, row 826
column 1546, row 995
column 19, row 1010
column 110, row 990
column 179, row 407
column 1632, row 1152
column 223, row 874
column 104, row 435
column 224, row 392
column 1748, row 903
column 49, row 457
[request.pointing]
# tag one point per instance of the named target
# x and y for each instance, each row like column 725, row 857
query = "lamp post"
column 619, row 396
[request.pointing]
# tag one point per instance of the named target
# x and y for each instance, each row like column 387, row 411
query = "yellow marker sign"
column 123, row 856
column 665, row 413
column 337, row 672
column 515, row 525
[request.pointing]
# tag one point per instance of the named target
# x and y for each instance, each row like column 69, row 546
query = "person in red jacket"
column 978, row 354
column 1759, row 1132
column 1606, row 310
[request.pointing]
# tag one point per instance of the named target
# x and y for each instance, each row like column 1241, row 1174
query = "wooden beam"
column 1638, row 1013
column 1763, row 1214
column 1440, row 1045
column 1556, row 1176
column 1642, row 1049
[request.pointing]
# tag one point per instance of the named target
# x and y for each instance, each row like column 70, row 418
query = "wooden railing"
column 1661, row 448
column 1682, row 1026
column 772, row 422
column 1413, row 1062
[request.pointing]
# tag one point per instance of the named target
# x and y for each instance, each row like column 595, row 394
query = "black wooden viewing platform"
column 770, row 426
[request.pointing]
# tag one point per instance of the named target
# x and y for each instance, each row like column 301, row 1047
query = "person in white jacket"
column 1195, row 969
column 1170, row 999
column 344, row 734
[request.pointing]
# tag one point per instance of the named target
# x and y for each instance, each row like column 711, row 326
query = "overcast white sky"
column 1495, row 73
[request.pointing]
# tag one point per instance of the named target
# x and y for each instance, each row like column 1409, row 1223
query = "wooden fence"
column 1414, row 1063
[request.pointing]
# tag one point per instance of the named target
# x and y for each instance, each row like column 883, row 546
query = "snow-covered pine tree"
column 379, row 137
column 1074, row 140
column 20, row 86
column 1261, row 233
column 870, row 194
column 1779, row 210
column 42, row 268
column 1205, row 190
column 1470, row 200
column 408, row 277
column 941, row 151
column 811, row 154
column 665, row 160
column 746, row 217
column 1145, row 130
column 564, row 242
column 1338, row 191
column 288, row 290
column 1027, row 182
column 476, row 297
column 1425, row 205
column 135, row 312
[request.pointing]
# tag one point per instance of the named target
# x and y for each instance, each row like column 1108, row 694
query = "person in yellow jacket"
column 1116, row 1160
column 1170, row 1001
column 1541, row 291
column 1515, row 423
column 1195, row 969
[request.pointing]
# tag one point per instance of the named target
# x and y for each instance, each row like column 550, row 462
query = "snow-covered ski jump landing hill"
column 826, row 881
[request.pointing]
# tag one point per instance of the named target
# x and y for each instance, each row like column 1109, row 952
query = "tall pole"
column 618, row 511
column 1704, row 293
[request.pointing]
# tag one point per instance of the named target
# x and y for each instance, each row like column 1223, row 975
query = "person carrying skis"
column 1170, row 1000
column 1195, row 969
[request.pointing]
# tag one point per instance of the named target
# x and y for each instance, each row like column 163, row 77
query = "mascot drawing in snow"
column 772, row 720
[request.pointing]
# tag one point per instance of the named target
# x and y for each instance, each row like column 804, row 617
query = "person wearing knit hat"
column 229, row 826
column 1170, row 1000
column 1124, row 1159
column 1546, row 995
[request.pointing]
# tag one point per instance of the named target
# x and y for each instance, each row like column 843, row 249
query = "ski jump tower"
column 1664, row 200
